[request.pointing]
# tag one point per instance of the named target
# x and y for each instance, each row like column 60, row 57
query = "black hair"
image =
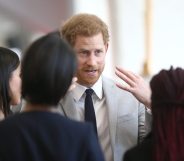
column 48, row 67
column 9, row 61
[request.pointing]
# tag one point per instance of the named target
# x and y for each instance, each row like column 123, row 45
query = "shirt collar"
column 79, row 90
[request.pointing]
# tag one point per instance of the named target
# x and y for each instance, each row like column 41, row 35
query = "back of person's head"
column 9, row 62
column 84, row 25
column 168, row 114
column 48, row 67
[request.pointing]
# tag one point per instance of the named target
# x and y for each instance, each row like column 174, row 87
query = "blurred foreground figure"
column 166, row 141
column 39, row 133
column 10, row 81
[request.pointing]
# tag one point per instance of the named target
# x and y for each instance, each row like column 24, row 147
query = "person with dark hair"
column 118, row 117
column 10, row 81
column 39, row 132
column 165, row 142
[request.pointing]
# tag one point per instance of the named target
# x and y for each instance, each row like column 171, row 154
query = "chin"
column 15, row 102
column 90, row 83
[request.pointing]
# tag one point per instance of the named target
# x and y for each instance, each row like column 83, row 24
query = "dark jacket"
column 42, row 136
column 141, row 152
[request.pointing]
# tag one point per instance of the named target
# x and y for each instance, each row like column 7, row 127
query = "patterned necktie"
column 89, row 113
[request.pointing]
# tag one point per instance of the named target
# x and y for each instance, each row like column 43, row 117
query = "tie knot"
column 89, row 91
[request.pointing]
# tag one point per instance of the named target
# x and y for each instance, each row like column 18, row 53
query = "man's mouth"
column 91, row 72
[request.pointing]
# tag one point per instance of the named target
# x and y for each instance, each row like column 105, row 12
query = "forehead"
column 89, row 41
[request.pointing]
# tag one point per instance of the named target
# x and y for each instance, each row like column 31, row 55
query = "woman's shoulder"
column 141, row 152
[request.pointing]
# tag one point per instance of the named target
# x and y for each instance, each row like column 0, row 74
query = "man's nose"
column 91, row 60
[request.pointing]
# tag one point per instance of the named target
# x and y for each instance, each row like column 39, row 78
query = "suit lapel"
column 68, row 107
column 110, row 93
column 111, row 102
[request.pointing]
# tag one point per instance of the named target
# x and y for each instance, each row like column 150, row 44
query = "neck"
column 36, row 107
column 1, row 115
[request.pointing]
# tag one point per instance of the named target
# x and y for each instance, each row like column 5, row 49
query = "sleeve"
column 145, row 122
column 148, row 121
column 141, row 123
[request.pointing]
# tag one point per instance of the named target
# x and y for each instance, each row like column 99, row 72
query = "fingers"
column 124, row 87
column 127, row 73
column 74, row 79
column 126, row 76
column 72, row 86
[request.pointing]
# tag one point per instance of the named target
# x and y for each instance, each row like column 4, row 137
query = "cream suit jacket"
column 126, row 117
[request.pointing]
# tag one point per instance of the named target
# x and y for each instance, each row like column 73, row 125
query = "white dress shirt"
column 100, row 112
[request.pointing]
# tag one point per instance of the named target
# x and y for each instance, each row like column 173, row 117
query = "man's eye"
column 84, row 52
column 98, row 52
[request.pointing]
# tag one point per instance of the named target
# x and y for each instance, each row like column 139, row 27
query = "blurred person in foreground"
column 10, row 81
column 120, row 117
column 165, row 142
column 39, row 133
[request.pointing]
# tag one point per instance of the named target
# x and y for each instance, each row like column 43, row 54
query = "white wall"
column 128, row 34
column 168, row 34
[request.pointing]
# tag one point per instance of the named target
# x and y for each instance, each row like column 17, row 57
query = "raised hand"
column 135, row 84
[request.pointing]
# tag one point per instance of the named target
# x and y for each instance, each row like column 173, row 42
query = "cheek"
column 80, row 63
column 101, row 63
column 15, row 90
column 15, row 83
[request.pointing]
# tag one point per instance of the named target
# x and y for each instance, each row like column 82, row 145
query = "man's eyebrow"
column 82, row 49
